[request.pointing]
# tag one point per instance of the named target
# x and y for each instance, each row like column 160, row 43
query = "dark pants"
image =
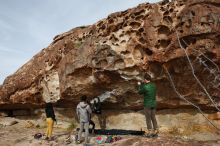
column 150, row 118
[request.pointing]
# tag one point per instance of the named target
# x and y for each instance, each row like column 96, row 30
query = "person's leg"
column 86, row 132
column 47, row 131
column 102, row 120
column 147, row 112
column 149, row 131
column 80, row 131
column 154, row 120
column 93, row 125
column 50, row 121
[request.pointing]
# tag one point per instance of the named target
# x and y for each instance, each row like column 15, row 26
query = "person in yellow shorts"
column 50, row 120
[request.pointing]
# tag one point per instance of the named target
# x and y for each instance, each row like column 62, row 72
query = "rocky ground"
column 176, row 128
column 18, row 135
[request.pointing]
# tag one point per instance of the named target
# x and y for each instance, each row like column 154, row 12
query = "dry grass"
column 71, row 126
column 190, row 129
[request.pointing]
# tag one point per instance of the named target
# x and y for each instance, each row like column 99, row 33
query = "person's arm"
column 47, row 113
column 77, row 113
column 141, row 89
column 89, row 109
column 89, row 112
column 98, row 100
column 53, row 115
column 99, row 104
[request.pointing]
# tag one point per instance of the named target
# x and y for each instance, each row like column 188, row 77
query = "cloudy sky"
column 27, row 26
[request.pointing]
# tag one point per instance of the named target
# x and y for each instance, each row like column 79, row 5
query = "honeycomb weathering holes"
column 163, row 30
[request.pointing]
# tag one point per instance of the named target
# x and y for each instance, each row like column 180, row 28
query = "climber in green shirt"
column 148, row 90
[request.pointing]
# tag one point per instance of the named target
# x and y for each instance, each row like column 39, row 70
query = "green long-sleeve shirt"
column 149, row 92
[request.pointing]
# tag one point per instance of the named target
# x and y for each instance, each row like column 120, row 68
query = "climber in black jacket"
column 50, row 120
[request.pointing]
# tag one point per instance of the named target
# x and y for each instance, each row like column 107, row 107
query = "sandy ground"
column 22, row 134
column 20, row 130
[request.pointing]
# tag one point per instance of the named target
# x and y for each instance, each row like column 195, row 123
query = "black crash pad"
column 115, row 132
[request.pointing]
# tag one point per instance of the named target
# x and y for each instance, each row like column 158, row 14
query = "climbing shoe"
column 155, row 133
column 148, row 133
column 78, row 142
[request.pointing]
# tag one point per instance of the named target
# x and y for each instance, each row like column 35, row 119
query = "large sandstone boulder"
column 114, row 53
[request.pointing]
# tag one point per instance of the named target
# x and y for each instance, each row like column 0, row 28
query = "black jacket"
column 50, row 112
column 97, row 109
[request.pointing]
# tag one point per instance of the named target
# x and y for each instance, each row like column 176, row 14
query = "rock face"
column 114, row 53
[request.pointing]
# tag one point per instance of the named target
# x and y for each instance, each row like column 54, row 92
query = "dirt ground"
column 176, row 129
column 22, row 134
